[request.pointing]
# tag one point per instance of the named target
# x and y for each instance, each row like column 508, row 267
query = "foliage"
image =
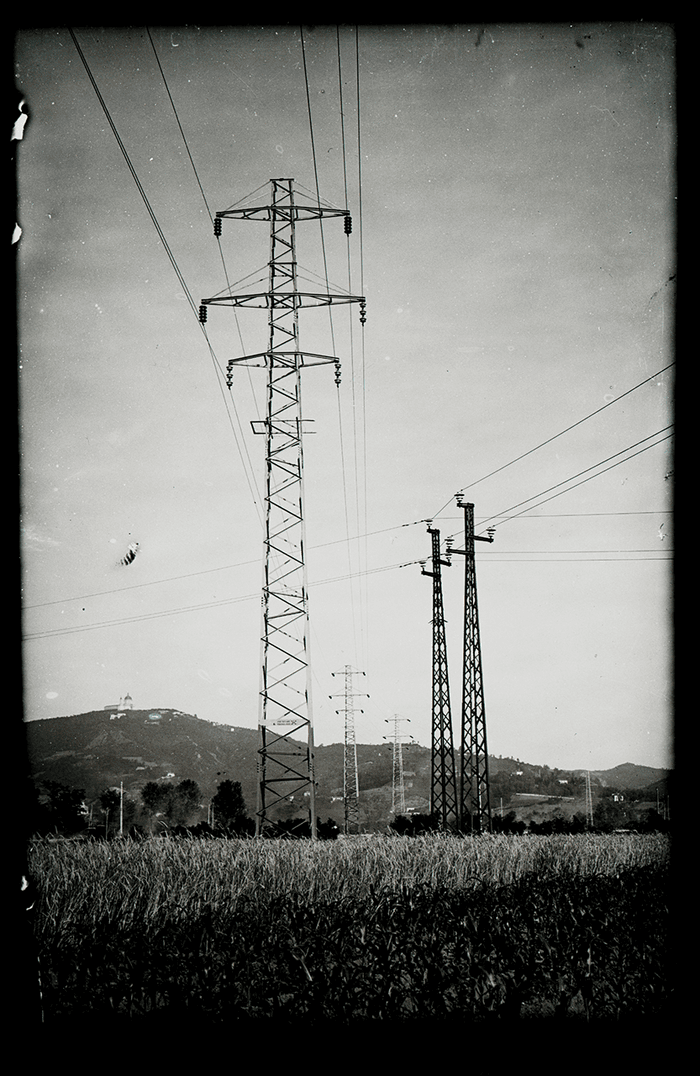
column 176, row 804
column 410, row 826
column 228, row 804
column 59, row 809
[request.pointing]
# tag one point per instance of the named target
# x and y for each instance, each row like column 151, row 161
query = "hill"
column 98, row 750
column 628, row 775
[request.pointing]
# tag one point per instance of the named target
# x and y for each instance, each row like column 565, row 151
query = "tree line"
column 160, row 808
column 607, row 818
column 169, row 808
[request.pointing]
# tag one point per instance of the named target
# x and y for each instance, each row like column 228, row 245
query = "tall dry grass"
column 141, row 883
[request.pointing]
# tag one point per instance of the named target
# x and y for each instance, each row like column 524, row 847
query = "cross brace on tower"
column 351, row 785
column 285, row 762
column 475, row 800
column 443, row 789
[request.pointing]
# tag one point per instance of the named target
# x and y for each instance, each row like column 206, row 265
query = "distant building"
column 127, row 703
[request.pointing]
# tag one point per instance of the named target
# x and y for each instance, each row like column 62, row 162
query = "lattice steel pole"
column 351, row 785
column 443, row 789
column 285, row 763
column 475, row 797
column 398, row 788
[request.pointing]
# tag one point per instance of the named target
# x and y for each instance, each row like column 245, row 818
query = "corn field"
column 359, row 928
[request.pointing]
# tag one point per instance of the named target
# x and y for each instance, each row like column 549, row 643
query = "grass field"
column 367, row 928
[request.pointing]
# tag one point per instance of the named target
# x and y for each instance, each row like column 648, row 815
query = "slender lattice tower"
column 475, row 799
column 351, row 784
column 443, row 788
column 398, row 788
column 285, row 722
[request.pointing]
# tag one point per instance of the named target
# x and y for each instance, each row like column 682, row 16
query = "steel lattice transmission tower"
column 285, row 763
column 475, row 798
column 398, row 788
column 443, row 788
column 351, row 784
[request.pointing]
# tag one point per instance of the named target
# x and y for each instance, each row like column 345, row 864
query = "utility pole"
column 285, row 762
column 443, row 788
column 398, row 791
column 589, row 800
column 351, row 785
column 475, row 801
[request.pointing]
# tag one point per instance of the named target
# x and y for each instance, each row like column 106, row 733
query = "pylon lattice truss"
column 351, row 785
column 398, row 788
column 285, row 719
column 443, row 788
column 475, row 796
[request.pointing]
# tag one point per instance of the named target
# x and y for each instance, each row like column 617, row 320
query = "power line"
column 209, row 212
column 583, row 482
column 560, row 434
column 202, row 605
column 171, row 257
column 343, row 541
column 184, row 138
column 363, row 360
column 588, row 556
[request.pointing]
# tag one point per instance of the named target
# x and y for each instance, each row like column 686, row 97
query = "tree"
column 184, row 802
column 509, row 823
column 109, row 802
column 155, row 797
column 402, row 825
column 417, row 823
column 328, row 830
column 62, row 809
column 176, row 803
column 229, row 806
column 608, row 815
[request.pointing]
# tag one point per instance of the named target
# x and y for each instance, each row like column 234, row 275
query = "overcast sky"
column 514, row 219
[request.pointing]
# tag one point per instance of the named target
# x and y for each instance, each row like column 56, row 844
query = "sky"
column 512, row 189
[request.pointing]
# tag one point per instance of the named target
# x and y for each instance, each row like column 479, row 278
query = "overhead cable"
column 171, row 257
column 560, row 434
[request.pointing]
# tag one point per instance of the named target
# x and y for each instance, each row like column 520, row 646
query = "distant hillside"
column 100, row 749
column 628, row 775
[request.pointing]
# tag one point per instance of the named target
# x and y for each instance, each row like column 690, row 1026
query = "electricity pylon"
column 351, row 784
column 443, row 788
column 285, row 764
column 475, row 798
column 398, row 789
